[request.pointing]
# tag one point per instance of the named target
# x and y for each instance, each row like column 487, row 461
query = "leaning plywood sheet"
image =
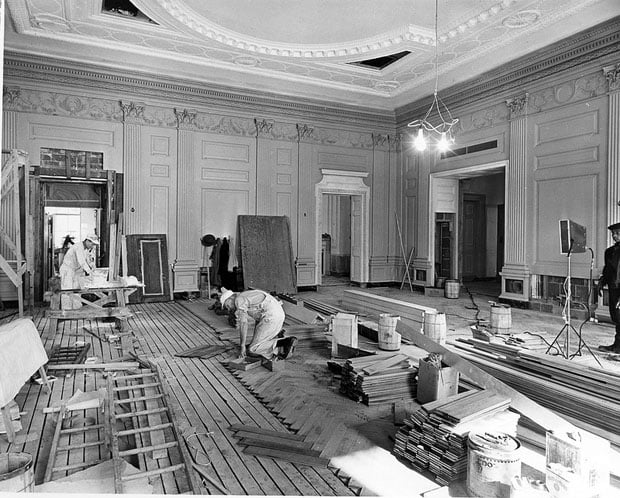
column 266, row 253
column 147, row 259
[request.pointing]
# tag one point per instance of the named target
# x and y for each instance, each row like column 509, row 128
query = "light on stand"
column 443, row 119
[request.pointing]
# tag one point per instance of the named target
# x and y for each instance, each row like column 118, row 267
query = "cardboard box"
column 577, row 465
column 436, row 383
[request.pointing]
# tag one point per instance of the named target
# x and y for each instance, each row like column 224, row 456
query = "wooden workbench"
column 112, row 293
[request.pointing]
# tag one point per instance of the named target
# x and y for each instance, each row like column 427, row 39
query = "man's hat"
column 93, row 238
column 615, row 226
column 225, row 295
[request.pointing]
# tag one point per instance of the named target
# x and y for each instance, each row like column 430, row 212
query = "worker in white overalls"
column 78, row 261
column 268, row 316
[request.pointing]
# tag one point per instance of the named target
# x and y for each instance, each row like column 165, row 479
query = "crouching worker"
column 268, row 315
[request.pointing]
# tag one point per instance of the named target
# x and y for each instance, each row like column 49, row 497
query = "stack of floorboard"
column 375, row 379
column 585, row 394
column 434, row 438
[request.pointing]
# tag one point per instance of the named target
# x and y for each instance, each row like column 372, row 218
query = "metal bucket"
column 389, row 339
column 492, row 463
column 16, row 473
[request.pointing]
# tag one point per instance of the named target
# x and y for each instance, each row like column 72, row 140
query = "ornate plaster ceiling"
column 302, row 48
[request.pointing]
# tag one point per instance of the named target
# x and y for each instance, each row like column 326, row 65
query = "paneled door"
column 147, row 259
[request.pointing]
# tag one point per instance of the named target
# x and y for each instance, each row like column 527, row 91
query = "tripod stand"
column 568, row 327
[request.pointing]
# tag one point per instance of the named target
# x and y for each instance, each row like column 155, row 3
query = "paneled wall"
column 555, row 137
column 191, row 167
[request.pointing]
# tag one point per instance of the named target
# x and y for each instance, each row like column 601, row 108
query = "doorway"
column 347, row 190
column 468, row 222
column 336, row 239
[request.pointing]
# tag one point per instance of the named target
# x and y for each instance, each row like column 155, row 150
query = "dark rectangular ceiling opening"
column 124, row 8
column 381, row 62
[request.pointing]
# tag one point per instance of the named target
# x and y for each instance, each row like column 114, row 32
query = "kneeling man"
column 268, row 316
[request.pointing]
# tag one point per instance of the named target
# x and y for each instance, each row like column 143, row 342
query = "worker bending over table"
column 77, row 263
column 268, row 315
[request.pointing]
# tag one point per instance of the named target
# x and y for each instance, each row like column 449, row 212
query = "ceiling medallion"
column 246, row 60
column 521, row 19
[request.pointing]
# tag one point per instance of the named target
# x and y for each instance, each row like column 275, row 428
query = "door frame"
column 351, row 183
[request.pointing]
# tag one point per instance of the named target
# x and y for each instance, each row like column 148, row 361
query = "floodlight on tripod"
column 572, row 240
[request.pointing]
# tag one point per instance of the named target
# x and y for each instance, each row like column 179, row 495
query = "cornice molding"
column 586, row 47
column 58, row 73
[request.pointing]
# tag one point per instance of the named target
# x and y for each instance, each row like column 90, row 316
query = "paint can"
column 501, row 320
column 452, row 289
column 493, row 461
column 388, row 338
column 435, row 326
column 16, row 473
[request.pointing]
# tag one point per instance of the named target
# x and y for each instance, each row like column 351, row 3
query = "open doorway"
column 468, row 226
column 336, row 240
column 66, row 222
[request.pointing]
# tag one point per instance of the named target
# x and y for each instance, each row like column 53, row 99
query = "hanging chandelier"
column 441, row 132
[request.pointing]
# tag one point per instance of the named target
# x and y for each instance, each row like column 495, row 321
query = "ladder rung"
column 136, row 400
column 70, row 447
column 135, row 376
column 81, row 429
column 144, row 429
column 146, row 449
column 172, row 468
column 141, row 413
column 137, row 386
column 77, row 465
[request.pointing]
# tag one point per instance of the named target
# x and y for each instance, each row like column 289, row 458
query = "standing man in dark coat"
column 611, row 278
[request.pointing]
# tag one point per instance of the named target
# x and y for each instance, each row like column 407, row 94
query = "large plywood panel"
column 147, row 259
column 266, row 253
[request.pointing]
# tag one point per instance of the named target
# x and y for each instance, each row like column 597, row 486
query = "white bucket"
column 452, row 289
column 492, row 463
column 388, row 338
column 501, row 319
column 435, row 326
column 16, row 473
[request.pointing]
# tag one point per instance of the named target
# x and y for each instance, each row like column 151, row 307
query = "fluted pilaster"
column 612, row 74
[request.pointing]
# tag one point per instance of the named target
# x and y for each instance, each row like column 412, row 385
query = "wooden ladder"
column 87, row 444
column 143, row 400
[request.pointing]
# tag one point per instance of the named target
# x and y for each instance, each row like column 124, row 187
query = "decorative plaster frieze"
column 186, row 118
column 484, row 118
column 612, row 75
column 330, row 136
column 52, row 103
column 380, row 141
column 225, row 125
column 395, row 142
column 133, row 112
column 276, row 131
column 518, row 105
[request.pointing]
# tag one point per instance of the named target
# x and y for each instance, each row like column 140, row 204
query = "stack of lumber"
column 372, row 304
column 279, row 445
column 308, row 336
column 587, row 395
column 434, row 438
column 375, row 379
column 322, row 308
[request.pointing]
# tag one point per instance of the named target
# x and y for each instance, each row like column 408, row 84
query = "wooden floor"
column 208, row 399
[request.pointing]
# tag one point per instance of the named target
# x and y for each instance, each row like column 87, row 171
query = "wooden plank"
column 542, row 416
column 382, row 365
column 265, row 432
column 287, row 455
column 293, row 446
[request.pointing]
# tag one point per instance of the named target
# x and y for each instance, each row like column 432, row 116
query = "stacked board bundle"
column 382, row 378
column 434, row 438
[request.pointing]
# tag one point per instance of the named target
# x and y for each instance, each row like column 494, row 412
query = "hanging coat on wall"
column 215, row 258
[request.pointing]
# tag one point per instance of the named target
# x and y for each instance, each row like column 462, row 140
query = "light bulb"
column 420, row 142
column 443, row 145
